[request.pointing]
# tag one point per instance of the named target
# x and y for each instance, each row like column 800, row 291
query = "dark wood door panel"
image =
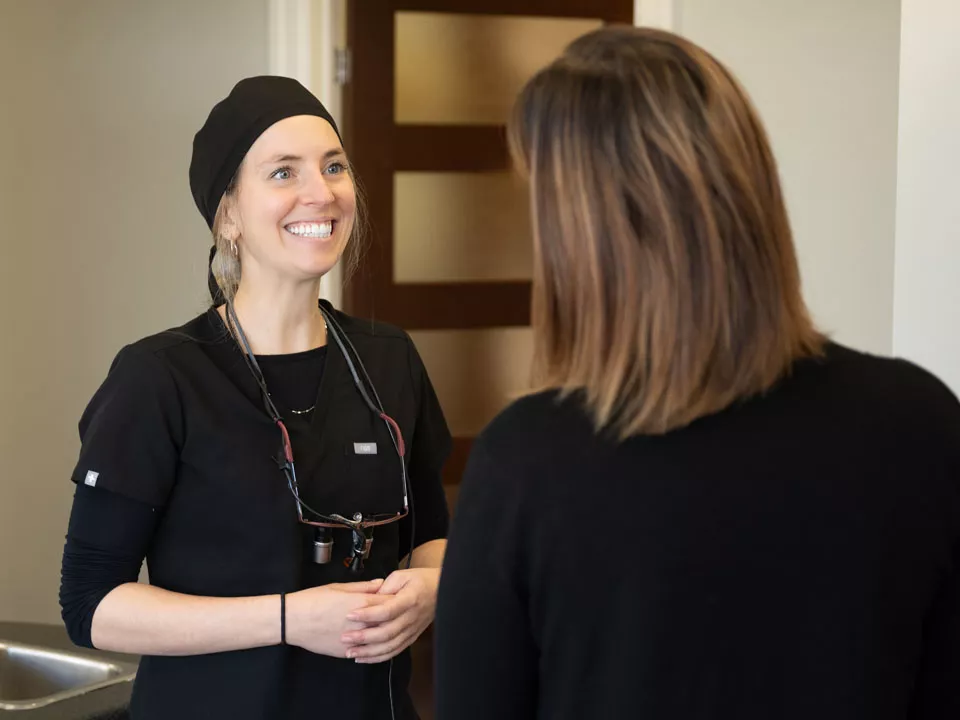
column 609, row 10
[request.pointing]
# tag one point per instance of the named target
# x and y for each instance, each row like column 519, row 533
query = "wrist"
column 434, row 574
column 292, row 614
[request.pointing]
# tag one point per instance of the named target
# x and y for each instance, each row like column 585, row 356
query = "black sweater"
column 796, row 557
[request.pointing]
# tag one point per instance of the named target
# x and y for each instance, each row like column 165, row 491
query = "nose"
column 316, row 191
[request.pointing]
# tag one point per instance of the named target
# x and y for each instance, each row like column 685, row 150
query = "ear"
column 231, row 229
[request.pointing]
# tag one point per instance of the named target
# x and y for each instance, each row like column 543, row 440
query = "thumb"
column 393, row 584
column 366, row 586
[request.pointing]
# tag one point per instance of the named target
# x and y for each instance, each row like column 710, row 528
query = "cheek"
column 277, row 206
column 348, row 203
column 267, row 211
column 348, row 219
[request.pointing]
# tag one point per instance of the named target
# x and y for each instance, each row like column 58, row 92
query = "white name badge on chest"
column 365, row 448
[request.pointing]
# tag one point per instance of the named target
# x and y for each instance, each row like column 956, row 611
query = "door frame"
column 663, row 14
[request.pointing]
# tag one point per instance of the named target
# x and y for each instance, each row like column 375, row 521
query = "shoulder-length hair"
column 666, row 285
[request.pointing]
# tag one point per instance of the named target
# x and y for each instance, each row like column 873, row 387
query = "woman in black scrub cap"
column 274, row 460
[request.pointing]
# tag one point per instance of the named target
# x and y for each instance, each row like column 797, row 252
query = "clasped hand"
column 392, row 626
column 369, row 622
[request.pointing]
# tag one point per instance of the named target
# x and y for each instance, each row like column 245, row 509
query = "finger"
column 374, row 600
column 355, row 626
column 383, row 650
column 391, row 608
column 364, row 602
column 387, row 651
column 366, row 586
column 377, row 634
column 394, row 583
column 378, row 660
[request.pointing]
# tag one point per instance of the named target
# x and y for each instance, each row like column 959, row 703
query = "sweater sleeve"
column 937, row 695
column 487, row 659
column 937, row 688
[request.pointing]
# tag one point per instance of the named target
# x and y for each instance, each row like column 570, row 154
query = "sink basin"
column 33, row 676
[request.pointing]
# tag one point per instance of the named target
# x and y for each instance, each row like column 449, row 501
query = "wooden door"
column 430, row 86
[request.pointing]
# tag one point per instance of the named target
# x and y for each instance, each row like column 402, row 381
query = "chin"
column 318, row 267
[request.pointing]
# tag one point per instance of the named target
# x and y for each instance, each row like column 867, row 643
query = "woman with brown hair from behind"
column 707, row 510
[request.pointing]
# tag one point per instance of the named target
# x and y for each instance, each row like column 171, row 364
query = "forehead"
column 300, row 135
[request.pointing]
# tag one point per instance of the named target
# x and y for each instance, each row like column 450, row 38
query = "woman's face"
column 296, row 202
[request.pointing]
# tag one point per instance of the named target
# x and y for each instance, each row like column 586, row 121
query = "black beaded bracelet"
column 283, row 618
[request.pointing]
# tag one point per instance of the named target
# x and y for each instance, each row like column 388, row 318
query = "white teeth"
column 316, row 230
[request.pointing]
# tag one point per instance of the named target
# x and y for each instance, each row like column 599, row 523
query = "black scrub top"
column 179, row 424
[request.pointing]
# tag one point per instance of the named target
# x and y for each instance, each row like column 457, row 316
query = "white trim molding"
column 288, row 27
column 663, row 14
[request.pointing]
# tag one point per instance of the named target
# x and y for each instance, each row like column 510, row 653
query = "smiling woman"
column 273, row 592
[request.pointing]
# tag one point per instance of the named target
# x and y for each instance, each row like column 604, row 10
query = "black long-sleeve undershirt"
column 107, row 540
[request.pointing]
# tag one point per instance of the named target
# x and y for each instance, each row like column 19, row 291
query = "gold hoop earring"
column 233, row 246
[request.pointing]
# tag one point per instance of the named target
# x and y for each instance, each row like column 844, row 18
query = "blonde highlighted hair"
column 666, row 284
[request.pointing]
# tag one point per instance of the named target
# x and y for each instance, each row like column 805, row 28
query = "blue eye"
column 283, row 173
column 336, row 168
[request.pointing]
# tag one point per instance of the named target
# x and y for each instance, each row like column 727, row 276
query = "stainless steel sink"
column 33, row 676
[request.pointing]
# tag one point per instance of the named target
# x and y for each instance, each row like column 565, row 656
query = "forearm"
column 146, row 620
column 428, row 555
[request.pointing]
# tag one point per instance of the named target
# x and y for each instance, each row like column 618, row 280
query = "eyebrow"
column 332, row 153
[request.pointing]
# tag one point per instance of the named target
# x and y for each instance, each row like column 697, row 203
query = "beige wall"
column 824, row 76
column 99, row 240
column 927, row 293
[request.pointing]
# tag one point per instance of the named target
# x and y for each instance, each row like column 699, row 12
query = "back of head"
column 666, row 284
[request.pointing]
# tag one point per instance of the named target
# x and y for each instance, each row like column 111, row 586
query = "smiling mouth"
column 311, row 229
